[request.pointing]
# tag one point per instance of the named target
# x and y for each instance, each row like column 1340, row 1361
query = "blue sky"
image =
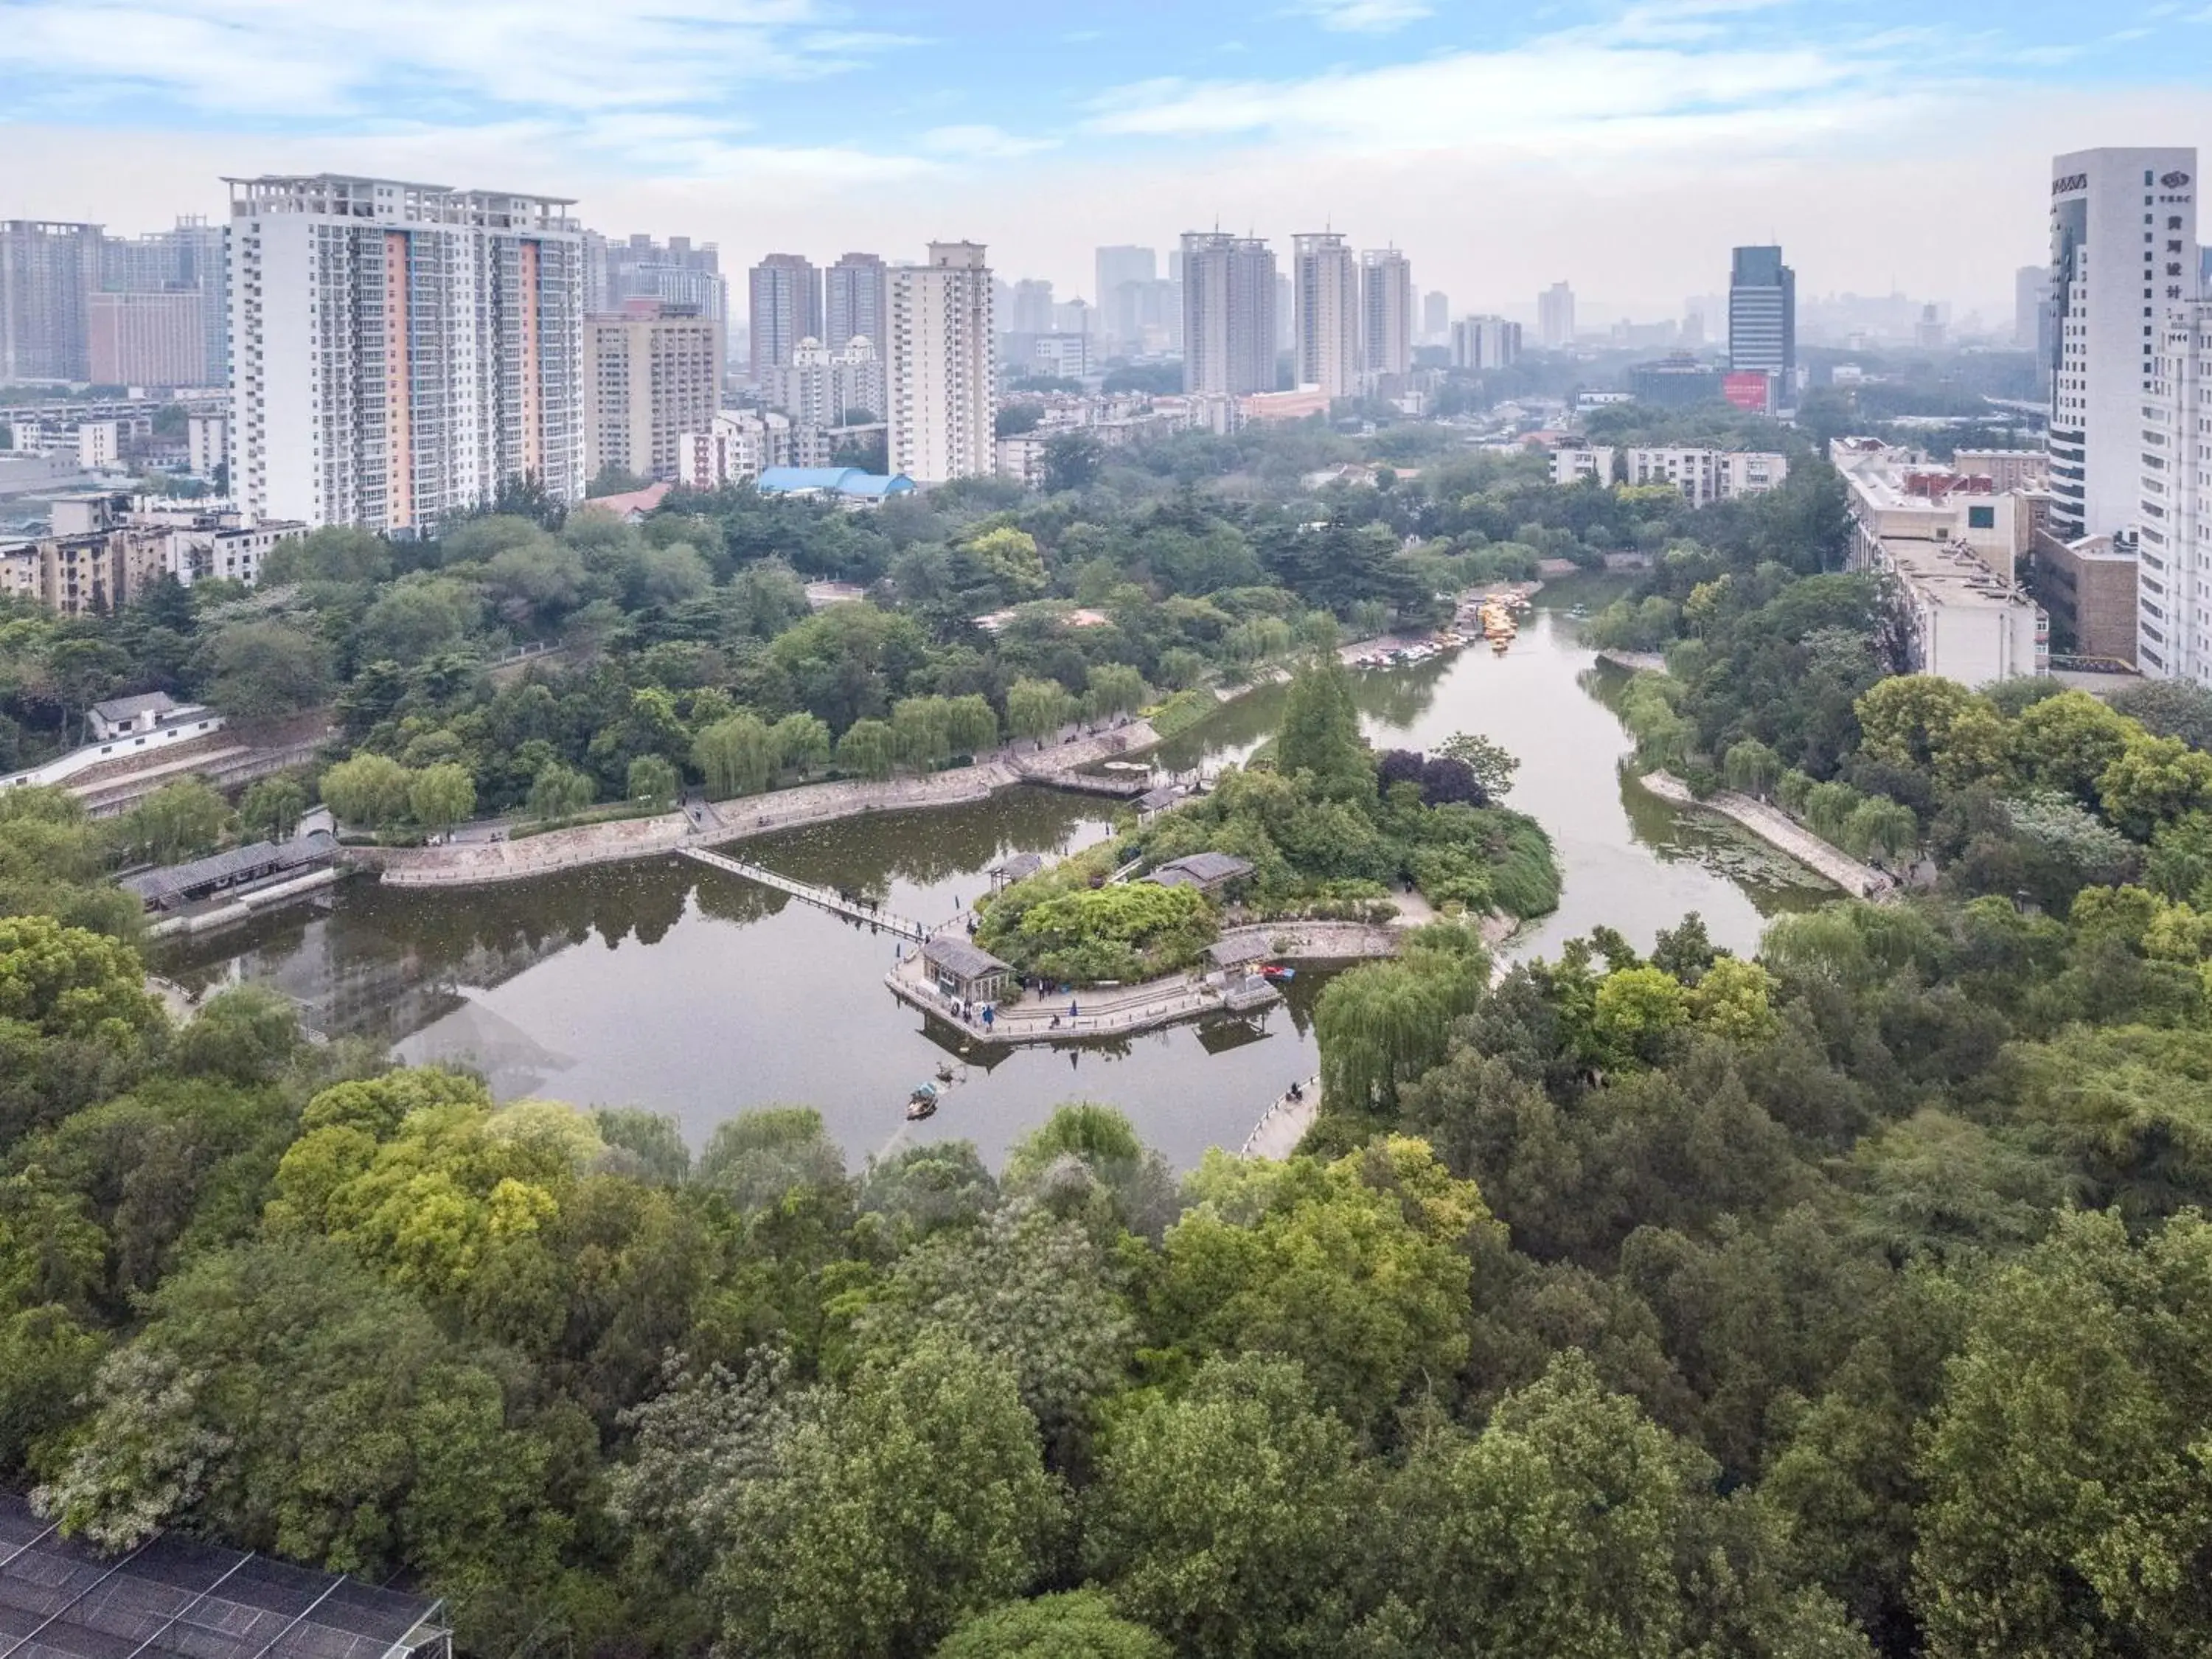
column 1612, row 144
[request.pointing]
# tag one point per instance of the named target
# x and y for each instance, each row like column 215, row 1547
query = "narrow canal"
column 680, row 989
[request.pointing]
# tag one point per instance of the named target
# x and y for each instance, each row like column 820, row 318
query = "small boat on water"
column 921, row 1102
column 1276, row 973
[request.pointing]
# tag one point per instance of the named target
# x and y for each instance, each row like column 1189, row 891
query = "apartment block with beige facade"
column 652, row 374
column 942, row 366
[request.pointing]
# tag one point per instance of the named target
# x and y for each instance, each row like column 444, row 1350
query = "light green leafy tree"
column 869, row 749
column 441, row 796
column 653, row 782
column 560, row 792
column 737, row 754
column 369, row 788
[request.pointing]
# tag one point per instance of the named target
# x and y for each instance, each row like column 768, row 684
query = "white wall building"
column 401, row 350
column 1555, row 316
column 740, row 444
column 1325, row 314
column 1484, row 342
column 2123, row 247
column 1703, row 476
column 99, row 445
column 2173, row 525
column 826, row 386
column 207, row 443
column 943, row 378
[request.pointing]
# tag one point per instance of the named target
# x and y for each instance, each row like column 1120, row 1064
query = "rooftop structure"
column 1207, row 871
column 965, row 971
column 850, row 483
column 241, row 867
column 1963, row 621
column 176, row 1598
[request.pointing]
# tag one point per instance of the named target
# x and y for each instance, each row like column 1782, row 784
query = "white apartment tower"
column 2174, row 505
column 400, row 351
column 1555, row 317
column 2123, row 247
column 1325, row 313
column 1386, row 314
column 942, row 388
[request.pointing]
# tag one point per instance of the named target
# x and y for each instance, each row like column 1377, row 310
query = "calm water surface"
column 679, row 989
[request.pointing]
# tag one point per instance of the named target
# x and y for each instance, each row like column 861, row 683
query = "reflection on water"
column 688, row 991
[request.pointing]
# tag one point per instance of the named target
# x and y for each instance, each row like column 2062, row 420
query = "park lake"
column 664, row 985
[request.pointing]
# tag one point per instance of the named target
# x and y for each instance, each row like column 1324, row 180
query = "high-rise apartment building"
column 941, row 365
column 679, row 271
column 1126, row 274
column 786, row 308
column 1435, row 318
column 1386, row 315
column 1763, row 320
column 2174, row 505
column 1229, row 327
column 2122, row 245
column 857, row 303
column 1555, row 317
column 827, row 386
column 652, row 372
column 149, row 339
column 1484, row 342
column 48, row 274
column 192, row 260
column 400, row 351
column 1325, row 314
column 1030, row 309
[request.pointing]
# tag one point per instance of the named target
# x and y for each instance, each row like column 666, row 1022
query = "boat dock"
column 825, row 898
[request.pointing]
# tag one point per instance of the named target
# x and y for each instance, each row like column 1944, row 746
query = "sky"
column 1621, row 147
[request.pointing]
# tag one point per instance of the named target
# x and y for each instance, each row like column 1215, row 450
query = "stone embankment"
column 1636, row 662
column 1776, row 828
column 472, row 863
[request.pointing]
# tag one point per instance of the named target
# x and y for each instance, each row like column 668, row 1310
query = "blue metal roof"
column 830, row 480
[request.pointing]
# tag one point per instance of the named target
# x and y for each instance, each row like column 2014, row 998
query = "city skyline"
column 1673, row 129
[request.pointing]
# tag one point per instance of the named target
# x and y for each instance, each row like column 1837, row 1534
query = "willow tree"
column 1381, row 1025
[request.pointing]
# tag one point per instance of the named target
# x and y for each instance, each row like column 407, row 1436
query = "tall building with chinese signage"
column 1762, row 325
column 2123, row 247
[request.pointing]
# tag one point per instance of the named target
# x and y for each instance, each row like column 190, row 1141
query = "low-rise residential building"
column 740, row 444
column 1703, row 476
column 1021, row 458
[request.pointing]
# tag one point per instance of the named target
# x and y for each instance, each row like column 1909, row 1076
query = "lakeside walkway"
column 1777, row 828
column 1283, row 1124
column 467, row 864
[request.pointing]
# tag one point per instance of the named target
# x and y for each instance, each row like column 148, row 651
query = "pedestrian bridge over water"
column 826, row 898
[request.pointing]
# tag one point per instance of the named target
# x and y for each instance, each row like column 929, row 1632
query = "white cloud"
column 980, row 142
column 1606, row 88
column 1363, row 16
column 366, row 59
